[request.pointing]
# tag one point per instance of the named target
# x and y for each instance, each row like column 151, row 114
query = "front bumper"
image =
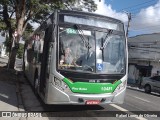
column 56, row 96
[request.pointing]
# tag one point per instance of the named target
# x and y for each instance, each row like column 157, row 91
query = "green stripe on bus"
column 91, row 88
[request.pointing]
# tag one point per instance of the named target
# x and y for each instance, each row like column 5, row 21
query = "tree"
column 20, row 51
column 25, row 11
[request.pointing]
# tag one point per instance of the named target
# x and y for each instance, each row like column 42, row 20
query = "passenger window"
column 30, row 51
column 35, row 48
column 38, row 46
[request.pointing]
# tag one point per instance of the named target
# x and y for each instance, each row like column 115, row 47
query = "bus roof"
column 72, row 12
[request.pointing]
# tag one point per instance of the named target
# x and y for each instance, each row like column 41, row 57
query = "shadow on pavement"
column 8, row 90
column 68, row 108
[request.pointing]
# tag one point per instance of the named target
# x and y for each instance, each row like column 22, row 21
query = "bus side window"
column 38, row 47
column 41, row 50
column 41, row 46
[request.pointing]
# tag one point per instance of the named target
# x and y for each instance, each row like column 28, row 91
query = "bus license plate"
column 92, row 102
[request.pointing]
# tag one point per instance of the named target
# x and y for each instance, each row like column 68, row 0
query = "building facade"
column 144, row 56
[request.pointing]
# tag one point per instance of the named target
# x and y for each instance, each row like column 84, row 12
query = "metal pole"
column 129, row 19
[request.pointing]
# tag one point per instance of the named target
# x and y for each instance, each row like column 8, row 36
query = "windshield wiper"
column 81, row 34
column 106, row 40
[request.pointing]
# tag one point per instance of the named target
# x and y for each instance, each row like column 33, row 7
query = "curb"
column 135, row 88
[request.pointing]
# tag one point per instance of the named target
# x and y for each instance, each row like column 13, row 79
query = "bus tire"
column 36, row 83
column 23, row 67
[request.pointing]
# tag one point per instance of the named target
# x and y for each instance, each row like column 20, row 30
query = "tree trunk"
column 12, row 58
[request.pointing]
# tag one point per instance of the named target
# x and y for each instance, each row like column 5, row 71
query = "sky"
column 145, row 14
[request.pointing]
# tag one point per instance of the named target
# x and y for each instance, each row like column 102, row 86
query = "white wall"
column 144, row 50
column 133, row 74
column 156, row 67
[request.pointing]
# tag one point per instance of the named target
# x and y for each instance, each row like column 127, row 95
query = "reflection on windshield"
column 111, row 59
column 106, row 40
column 81, row 34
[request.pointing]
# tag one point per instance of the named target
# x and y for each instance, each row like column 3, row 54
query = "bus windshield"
column 75, row 56
column 73, row 52
column 111, row 58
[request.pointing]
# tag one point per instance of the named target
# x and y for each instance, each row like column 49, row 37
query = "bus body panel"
column 74, row 98
column 63, row 98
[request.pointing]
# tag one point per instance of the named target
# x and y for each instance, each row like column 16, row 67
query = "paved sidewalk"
column 16, row 95
column 135, row 88
column 9, row 93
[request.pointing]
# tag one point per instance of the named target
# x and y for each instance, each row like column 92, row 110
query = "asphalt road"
column 140, row 101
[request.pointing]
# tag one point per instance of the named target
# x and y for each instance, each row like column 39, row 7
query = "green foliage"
column 20, row 51
column 7, row 43
column 2, row 26
column 43, row 9
column 28, row 31
column 38, row 10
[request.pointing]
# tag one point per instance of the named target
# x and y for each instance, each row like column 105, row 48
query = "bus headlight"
column 120, row 86
column 61, row 85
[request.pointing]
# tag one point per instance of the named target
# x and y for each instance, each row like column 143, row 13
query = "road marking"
column 141, row 99
column 3, row 95
column 125, row 110
column 118, row 107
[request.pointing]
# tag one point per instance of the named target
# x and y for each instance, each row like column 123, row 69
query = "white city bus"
column 78, row 58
